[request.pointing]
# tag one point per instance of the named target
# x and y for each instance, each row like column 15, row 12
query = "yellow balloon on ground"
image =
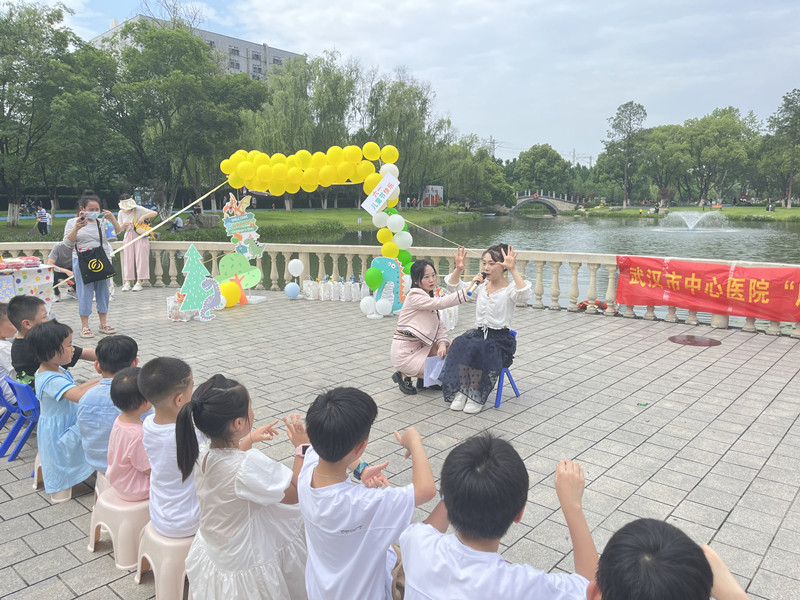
column 294, row 175
column 389, row 154
column 226, row 166
column 327, row 175
column 292, row 188
column 231, row 292
column 392, row 203
column 364, row 168
column 319, row 160
column 335, row 155
column 371, row 181
column 390, row 250
column 303, row 158
column 276, row 189
column 279, row 172
column 264, row 173
column 246, row 169
column 352, row 154
column 345, row 170
column 371, row 151
column 235, row 181
column 384, row 235
column 278, row 158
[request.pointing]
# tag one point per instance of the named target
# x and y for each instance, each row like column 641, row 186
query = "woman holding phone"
column 81, row 233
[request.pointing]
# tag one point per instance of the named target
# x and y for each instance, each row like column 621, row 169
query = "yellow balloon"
column 251, row 156
column 335, row 155
column 279, row 172
column 291, row 161
column 384, row 235
column 245, row 169
column 226, row 166
column 327, row 175
column 276, row 189
column 392, row 203
column 261, row 159
column 231, row 292
column 235, row 160
column 258, row 185
column 294, row 175
column 389, row 154
column 292, row 188
column 352, row 154
column 242, row 153
column 319, row 160
column 356, row 178
column 235, row 181
column 309, row 187
column 371, row 182
column 264, row 173
column 364, row 168
column 310, row 177
column 390, row 250
column 303, row 158
column 371, row 151
column 278, row 158
column 345, row 170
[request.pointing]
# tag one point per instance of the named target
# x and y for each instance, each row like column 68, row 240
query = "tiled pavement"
column 706, row 438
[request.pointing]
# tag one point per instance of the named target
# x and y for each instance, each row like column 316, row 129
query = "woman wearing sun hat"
column 136, row 257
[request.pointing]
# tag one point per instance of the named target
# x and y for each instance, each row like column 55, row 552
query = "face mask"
column 92, row 215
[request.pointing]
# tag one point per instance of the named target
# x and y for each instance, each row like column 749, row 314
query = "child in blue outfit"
column 60, row 450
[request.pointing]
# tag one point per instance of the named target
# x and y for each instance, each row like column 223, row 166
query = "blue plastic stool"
column 28, row 410
column 505, row 373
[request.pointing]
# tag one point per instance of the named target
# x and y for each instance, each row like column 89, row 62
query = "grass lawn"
column 734, row 213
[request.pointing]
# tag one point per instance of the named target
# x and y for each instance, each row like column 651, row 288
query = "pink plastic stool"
column 167, row 557
column 101, row 484
column 123, row 521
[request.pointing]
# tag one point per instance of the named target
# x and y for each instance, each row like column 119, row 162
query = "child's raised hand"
column 408, row 438
column 264, row 433
column 569, row 481
column 296, row 430
column 373, row 476
column 460, row 256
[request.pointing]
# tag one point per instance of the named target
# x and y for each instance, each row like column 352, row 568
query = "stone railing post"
column 273, row 271
column 173, row 268
column 611, row 290
column 592, row 294
column 573, row 287
column 159, row 269
column 555, row 291
column 538, row 287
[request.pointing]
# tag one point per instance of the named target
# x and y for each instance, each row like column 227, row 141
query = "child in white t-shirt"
column 484, row 489
column 350, row 528
column 174, row 510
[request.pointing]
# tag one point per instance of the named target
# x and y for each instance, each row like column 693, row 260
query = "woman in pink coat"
column 420, row 331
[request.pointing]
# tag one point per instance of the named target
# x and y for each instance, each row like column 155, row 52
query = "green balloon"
column 404, row 256
column 392, row 211
column 373, row 278
column 407, row 268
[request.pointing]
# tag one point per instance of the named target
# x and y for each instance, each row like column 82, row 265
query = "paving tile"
column 773, row 586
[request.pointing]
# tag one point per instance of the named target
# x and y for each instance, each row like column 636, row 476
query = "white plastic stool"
column 123, row 521
column 167, row 557
column 101, row 484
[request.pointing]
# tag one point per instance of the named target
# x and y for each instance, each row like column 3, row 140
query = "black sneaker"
column 421, row 385
column 404, row 384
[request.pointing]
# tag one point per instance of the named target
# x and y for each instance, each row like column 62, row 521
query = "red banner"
column 763, row 293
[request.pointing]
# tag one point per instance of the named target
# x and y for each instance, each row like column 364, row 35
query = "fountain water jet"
column 695, row 220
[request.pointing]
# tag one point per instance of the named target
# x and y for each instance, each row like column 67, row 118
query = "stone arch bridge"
column 555, row 204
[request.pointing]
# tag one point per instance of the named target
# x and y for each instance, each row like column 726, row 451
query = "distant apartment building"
column 237, row 55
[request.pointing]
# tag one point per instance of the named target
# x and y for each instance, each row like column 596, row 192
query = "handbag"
column 94, row 263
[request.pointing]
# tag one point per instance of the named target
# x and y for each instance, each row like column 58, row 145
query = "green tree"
column 541, row 168
column 785, row 125
column 624, row 140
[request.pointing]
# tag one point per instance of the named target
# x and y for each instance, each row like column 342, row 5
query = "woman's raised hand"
column 460, row 256
column 295, row 430
column 510, row 259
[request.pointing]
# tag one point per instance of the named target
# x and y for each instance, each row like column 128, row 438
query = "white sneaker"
column 472, row 408
column 71, row 295
column 137, row 287
column 126, row 287
column 459, row 401
column 56, row 298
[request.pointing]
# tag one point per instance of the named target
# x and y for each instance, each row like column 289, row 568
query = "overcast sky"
column 527, row 72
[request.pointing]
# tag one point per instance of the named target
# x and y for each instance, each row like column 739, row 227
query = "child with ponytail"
column 251, row 541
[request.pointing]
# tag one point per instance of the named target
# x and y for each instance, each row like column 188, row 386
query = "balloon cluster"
column 395, row 243
column 279, row 174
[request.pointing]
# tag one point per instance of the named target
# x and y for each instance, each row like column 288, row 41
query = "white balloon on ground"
column 390, row 168
column 367, row 305
column 379, row 219
column 396, row 223
column 296, row 267
column 403, row 240
column 384, row 307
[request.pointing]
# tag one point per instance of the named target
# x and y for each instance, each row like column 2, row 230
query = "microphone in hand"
column 475, row 285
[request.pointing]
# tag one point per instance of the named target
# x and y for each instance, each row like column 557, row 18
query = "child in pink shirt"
column 128, row 466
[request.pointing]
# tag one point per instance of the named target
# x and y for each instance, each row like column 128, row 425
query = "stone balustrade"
column 592, row 277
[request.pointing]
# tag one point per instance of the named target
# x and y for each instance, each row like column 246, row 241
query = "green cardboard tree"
column 236, row 267
column 193, row 293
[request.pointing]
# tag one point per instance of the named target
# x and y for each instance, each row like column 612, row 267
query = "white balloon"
column 367, row 305
column 296, row 267
column 396, row 223
column 403, row 240
column 380, row 219
column 390, row 168
column 395, row 194
column 384, row 307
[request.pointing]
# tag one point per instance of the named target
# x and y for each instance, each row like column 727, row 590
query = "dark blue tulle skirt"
column 473, row 363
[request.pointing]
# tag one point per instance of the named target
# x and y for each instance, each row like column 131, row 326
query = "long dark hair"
column 214, row 405
column 89, row 196
column 417, row 272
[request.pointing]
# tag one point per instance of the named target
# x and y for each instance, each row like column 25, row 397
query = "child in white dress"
column 251, row 541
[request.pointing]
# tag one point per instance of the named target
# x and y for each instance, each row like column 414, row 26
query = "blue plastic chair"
column 505, row 373
column 27, row 408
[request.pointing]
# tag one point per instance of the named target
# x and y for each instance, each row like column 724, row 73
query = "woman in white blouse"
column 477, row 357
